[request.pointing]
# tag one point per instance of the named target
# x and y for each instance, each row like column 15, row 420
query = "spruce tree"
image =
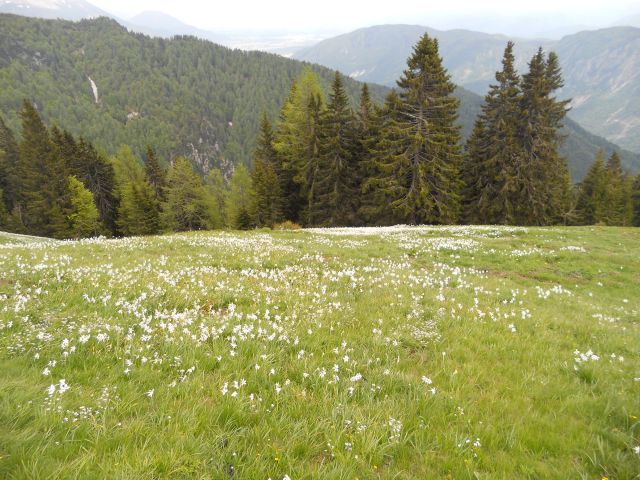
column 635, row 201
column 543, row 179
column 267, row 203
column 489, row 169
column 617, row 209
column 427, row 141
column 591, row 204
column 337, row 176
column 215, row 186
column 44, row 194
column 155, row 173
column 84, row 216
column 9, row 181
column 368, row 123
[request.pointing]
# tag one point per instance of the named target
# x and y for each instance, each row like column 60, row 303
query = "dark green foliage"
column 543, row 189
column 156, row 175
column 43, row 199
column 268, row 201
column 418, row 167
column 93, row 169
column 337, row 176
column 8, row 167
column 239, row 197
column 187, row 206
column 606, row 194
column 636, row 202
column 592, row 195
column 489, row 169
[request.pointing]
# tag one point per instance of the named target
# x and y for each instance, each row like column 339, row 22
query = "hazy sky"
column 340, row 15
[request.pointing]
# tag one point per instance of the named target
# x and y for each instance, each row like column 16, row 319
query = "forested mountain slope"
column 182, row 96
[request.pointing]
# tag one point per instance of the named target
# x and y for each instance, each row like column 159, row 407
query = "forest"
column 324, row 163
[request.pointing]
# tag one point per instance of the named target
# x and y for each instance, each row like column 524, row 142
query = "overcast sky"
column 342, row 15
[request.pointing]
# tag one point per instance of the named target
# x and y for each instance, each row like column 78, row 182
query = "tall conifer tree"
column 337, row 178
column 267, row 194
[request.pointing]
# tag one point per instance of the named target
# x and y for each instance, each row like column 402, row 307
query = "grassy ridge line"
column 402, row 352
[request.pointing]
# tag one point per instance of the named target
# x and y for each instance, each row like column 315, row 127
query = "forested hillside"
column 183, row 96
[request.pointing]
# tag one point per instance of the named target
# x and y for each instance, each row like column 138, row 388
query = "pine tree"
column 488, row 171
column 84, row 216
column 617, row 209
column 593, row 192
column 337, row 175
column 187, row 205
column 44, row 194
column 425, row 156
column 267, row 202
column 138, row 206
column 155, row 173
column 543, row 179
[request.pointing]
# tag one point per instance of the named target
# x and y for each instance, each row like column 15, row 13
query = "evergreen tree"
column 617, row 208
column 425, row 154
column 44, row 194
column 93, row 170
column 543, row 178
column 337, row 175
column 368, row 123
column 155, row 173
column 297, row 143
column 187, row 205
column 592, row 197
column 267, row 203
column 138, row 206
column 8, row 168
column 389, row 168
column 215, row 186
column 239, row 198
column 84, row 216
column 635, row 199
column 488, row 171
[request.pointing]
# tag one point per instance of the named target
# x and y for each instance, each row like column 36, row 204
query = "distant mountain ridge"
column 64, row 9
column 601, row 68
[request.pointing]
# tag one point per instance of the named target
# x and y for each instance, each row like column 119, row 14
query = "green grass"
column 336, row 340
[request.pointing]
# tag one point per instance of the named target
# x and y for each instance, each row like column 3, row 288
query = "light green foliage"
column 84, row 216
column 239, row 199
column 214, row 183
column 399, row 353
column 187, row 205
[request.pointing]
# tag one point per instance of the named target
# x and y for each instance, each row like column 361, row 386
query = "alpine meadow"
column 219, row 262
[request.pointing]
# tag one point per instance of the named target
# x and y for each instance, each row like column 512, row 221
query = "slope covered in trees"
column 183, row 96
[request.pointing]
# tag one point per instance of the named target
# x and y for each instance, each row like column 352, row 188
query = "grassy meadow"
column 390, row 353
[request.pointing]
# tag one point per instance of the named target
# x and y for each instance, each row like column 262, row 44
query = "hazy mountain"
column 65, row 9
column 162, row 25
column 630, row 21
column 601, row 68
